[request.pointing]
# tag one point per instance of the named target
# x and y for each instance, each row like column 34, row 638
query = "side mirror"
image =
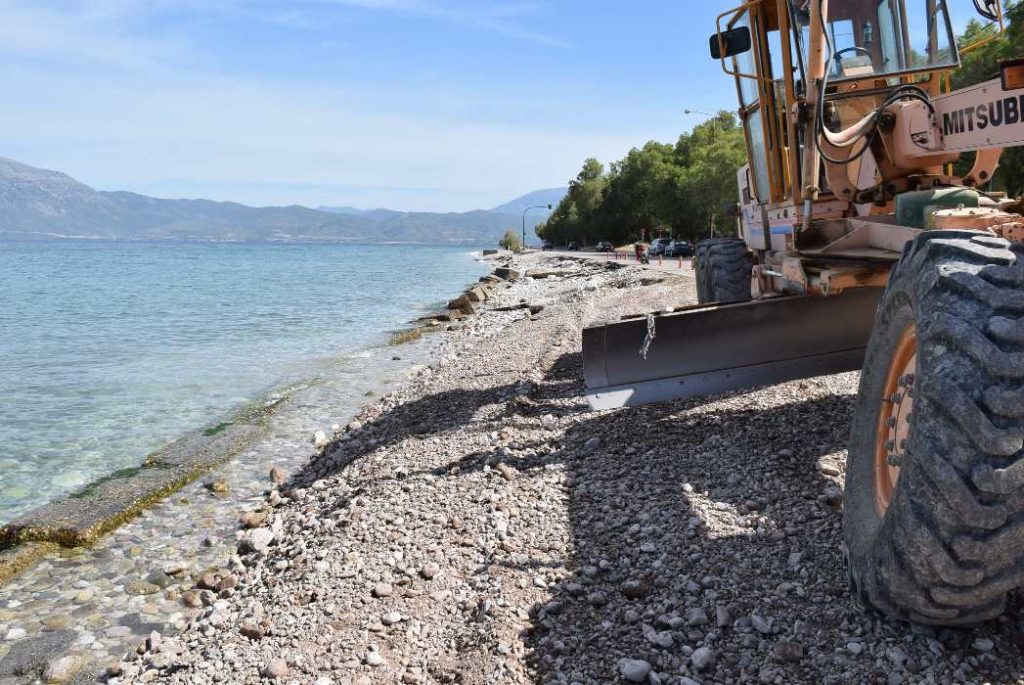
column 737, row 41
column 988, row 9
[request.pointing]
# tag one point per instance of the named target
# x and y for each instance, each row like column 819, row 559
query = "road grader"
column 860, row 247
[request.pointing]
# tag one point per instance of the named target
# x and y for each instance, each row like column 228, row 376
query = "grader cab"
column 860, row 248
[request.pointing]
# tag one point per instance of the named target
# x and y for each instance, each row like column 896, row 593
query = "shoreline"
column 110, row 520
column 80, row 517
column 527, row 317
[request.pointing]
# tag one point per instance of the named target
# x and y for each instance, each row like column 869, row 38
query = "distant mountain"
column 38, row 203
column 548, row 196
column 375, row 214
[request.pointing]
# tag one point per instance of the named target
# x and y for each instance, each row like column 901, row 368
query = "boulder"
column 256, row 540
column 506, row 273
column 476, row 295
column 462, row 305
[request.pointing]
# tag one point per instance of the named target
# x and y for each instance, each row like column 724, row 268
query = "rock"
column 390, row 618
column 535, row 309
column 252, row 631
column 786, row 650
column 381, row 590
column 696, row 616
column 64, row 668
column 462, row 304
column 983, row 644
column 702, row 658
column 374, row 659
column 256, row 540
column 30, row 655
column 506, row 471
column 160, row 579
column 636, row 589
column 507, row 274
column 662, row 639
column 476, row 295
column 897, row 656
column 217, row 487
column 254, row 519
column 320, row 440
column 854, row 648
column 634, row 670
column 56, row 622
column 138, row 586
column 827, row 468
column 430, row 570
column 191, row 599
column 722, row 617
column 277, row 668
column 761, row 624
column 210, row 579
column 278, row 475
column 592, row 444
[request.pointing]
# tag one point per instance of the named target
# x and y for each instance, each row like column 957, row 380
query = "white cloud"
column 91, row 90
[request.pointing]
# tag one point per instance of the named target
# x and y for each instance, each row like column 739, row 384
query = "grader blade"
column 712, row 349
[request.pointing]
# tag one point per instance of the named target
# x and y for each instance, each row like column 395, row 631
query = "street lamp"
column 714, row 117
column 547, row 207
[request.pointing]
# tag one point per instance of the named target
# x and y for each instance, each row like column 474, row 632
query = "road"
column 672, row 264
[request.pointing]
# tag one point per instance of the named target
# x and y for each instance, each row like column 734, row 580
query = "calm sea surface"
column 109, row 350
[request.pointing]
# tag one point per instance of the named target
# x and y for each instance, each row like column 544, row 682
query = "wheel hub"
column 894, row 418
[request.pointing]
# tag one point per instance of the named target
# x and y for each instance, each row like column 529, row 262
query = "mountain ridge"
column 40, row 203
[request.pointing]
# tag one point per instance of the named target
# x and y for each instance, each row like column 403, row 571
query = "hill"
column 548, row 196
column 39, row 203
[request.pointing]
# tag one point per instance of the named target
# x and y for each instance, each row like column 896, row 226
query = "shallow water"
column 109, row 350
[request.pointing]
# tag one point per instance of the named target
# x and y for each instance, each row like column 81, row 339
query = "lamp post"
column 547, row 207
column 714, row 117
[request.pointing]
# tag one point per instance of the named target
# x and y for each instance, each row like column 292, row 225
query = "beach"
column 480, row 524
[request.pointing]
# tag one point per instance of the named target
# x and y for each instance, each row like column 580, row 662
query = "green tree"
column 656, row 189
column 982, row 64
column 511, row 241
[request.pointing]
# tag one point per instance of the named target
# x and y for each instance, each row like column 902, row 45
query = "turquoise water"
column 109, row 350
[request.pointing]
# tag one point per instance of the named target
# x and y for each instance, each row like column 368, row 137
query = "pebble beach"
column 480, row 524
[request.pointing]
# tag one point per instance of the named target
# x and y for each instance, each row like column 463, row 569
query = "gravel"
column 482, row 525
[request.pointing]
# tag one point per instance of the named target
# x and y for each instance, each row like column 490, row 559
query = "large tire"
column 722, row 267
column 940, row 538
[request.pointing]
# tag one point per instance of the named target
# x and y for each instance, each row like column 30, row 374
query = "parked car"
column 546, row 245
column 573, row 246
column 679, row 248
column 658, row 246
column 604, row 246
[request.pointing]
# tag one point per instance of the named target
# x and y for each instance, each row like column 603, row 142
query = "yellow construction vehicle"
column 860, row 248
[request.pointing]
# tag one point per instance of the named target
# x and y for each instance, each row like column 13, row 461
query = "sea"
column 109, row 350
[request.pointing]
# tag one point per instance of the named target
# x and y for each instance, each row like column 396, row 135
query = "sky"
column 430, row 105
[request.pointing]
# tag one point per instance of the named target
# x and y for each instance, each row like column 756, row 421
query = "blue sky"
column 441, row 105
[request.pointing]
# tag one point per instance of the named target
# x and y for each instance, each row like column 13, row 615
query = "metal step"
column 706, row 350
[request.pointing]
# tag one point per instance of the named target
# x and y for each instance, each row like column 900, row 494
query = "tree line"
column 660, row 189
column 679, row 190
